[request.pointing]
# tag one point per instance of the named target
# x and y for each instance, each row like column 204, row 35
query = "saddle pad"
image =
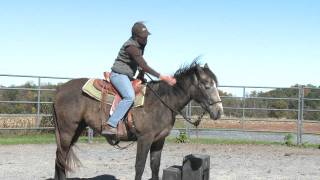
column 89, row 89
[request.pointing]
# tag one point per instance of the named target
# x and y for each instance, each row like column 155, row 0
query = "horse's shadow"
column 100, row 177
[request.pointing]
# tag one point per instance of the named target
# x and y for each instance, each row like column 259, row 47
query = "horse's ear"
column 199, row 71
column 206, row 66
column 195, row 78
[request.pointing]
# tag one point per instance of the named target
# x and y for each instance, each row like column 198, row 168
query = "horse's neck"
column 179, row 98
column 175, row 96
column 182, row 90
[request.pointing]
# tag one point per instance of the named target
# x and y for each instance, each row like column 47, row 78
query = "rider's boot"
column 108, row 130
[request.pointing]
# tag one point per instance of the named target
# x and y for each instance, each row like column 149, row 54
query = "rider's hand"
column 168, row 79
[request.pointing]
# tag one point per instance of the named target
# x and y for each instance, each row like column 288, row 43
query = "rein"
column 195, row 123
column 124, row 147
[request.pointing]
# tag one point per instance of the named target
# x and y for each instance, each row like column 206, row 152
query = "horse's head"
column 205, row 91
column 200, row 84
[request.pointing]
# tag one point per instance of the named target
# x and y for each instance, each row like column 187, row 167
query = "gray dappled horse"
column 74, row 111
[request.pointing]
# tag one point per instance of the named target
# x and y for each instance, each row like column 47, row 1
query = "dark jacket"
column 129, row 58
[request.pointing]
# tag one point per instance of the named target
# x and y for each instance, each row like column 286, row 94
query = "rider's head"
column 140, row 33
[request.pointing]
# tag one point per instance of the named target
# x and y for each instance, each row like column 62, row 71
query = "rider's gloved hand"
column 168, row 79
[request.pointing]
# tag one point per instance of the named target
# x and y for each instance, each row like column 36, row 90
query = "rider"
column 130, row 58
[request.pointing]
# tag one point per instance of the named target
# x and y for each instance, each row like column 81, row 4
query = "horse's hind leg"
column 64, row 154
column 63, row 144
column 60, row 172
column 155, row 157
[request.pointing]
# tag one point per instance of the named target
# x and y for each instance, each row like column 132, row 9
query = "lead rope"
column 197, row 133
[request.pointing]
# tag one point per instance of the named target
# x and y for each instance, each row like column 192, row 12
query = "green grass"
column 27, row 139
column 50, row 139
column 179, row 124
column 223, row 141
column 38, row 139
column 239, row 141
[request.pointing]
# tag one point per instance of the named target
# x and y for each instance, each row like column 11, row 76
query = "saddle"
column 106, row 88
column 105, row 85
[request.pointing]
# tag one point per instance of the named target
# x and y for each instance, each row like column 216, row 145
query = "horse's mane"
column 187, row 70
column 184, row 71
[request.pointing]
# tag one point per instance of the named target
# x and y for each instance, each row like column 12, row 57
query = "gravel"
column 102, row 161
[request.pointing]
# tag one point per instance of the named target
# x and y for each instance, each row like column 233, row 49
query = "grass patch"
column 223, row 141
column 288, row 140
column 238, row 141
column 308, row 145
column 38, row 139
column 180, row 124
column 27, row 139
column 46, row 138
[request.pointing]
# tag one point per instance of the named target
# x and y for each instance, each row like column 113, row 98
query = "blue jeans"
column 122, row 83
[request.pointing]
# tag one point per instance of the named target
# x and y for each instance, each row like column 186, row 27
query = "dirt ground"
column 101, row 161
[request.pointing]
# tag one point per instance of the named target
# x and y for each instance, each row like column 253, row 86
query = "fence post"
column 188, row 115
column 300, row 115
column 243, row 107
column 90, row 135
column 38, row 103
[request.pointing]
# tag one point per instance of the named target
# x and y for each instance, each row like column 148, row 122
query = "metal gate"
column 40, row 86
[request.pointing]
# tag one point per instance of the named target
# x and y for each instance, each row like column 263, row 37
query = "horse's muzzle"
column 216, row 111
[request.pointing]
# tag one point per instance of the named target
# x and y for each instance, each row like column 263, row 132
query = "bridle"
column 195, row 123
column 211, row 102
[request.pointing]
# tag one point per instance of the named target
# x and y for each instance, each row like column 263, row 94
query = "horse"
column 74, row 111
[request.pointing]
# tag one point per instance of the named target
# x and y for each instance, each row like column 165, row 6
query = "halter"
column 195, row 123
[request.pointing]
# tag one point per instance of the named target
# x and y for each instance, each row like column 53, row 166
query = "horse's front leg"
column 143, row 147
column 155, row 158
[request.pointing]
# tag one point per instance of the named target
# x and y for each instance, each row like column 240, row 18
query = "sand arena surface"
column 101, row 161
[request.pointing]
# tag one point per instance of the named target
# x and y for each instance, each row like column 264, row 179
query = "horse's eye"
column 205, row 85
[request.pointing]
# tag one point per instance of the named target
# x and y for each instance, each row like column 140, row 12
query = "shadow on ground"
column 101, row 177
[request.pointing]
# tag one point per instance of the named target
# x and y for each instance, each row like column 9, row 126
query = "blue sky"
column 255, row 43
